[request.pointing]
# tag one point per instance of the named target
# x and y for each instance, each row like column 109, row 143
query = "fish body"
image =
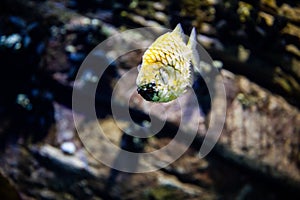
column 165, row 72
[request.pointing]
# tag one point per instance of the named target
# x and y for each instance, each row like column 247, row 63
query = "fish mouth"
column 148, row 91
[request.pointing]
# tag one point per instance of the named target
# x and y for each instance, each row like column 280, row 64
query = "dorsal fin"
column 178, row 31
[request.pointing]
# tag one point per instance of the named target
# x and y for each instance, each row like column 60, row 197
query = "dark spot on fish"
column 148, row 91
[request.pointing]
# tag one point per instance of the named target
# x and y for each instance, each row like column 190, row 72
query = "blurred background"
column 42, row 45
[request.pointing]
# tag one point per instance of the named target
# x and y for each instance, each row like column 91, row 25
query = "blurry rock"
column 18, row 22
column 47, row 195
column 269, row 19
column 158, row 6
column 68, row 148
column 170, row 188
column 291, row 13
column 70, row 49
column 141, row 21
column 160, row 16
column 65, row 135
column 208, row 29
column 210, row 42
column 77, row 57
column 165, row 192
column 191, row 170
column 243, row 53
column 244, row 11
column 294, row 50
column 11, row 42
column 55, row 158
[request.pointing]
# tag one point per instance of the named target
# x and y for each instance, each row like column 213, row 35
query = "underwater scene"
column 149, row 100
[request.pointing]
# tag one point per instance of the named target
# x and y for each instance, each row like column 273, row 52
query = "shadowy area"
column 8, row 191
column 24, row 102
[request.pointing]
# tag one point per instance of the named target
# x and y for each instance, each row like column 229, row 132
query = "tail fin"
column 192, row 44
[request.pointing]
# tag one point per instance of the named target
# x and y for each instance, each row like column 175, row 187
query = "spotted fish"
column 166, row 69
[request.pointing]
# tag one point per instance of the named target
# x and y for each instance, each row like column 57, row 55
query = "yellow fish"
column 165, row 72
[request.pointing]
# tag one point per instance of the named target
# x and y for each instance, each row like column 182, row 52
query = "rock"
column 65, row 135
column 140, row 21
column 57, row 159
column 165, row 192
column 158, row 6
column 269, row 3
column 11, row 42
column 243, row 54
column 289, row 12
column 260, row 132
column 47, row 195
column 291, row 29
column 269, row 19
column 294, row 50
column 160, row 16
column 191, row 170
column 68, row 148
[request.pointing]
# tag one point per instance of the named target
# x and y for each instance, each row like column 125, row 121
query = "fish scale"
column 165, row 57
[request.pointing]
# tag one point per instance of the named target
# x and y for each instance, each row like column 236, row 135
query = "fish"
column 166, row 71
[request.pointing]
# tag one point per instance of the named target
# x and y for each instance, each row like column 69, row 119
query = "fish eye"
column 148, row 91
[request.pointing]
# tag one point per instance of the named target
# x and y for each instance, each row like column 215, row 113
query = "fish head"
column 156, row 93
column 149, row 91
column 159, row 83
